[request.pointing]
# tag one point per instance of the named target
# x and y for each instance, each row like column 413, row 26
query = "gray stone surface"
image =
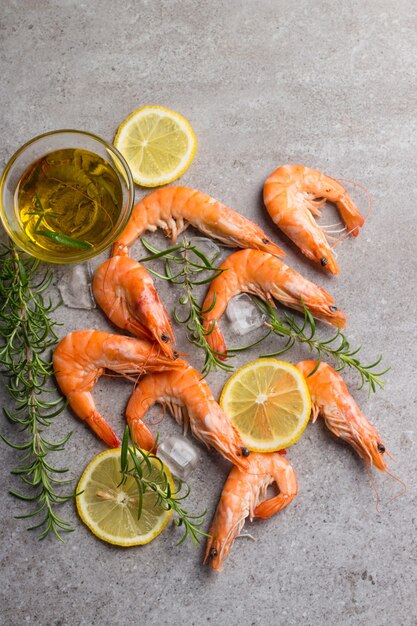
column 327, row 84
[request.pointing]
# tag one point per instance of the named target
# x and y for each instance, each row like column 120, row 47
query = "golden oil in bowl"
column 69, row 202
column 69, row 198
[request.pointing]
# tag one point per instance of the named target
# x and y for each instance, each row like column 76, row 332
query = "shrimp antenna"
column 392, row 475
column 121, row 375
column 342, row 238
column 373, row 484
column 155, row 420
column 388, row 453
column 402, row 483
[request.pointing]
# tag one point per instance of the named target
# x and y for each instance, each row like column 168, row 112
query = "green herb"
column 26, row 332
column 51, row 234
column 336, row 347
column 140, row 465
column 64, row 239
column 181, row 270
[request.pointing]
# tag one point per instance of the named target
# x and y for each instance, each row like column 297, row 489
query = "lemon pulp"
column 268, row 403
column 110, row 510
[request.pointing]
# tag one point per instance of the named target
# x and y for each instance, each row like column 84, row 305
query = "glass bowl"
column 38, row 148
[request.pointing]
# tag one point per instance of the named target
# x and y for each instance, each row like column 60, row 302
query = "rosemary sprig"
column 65, row 240
column 182, row 270
column 337, row 346
column 142, row 466
column 26, row 332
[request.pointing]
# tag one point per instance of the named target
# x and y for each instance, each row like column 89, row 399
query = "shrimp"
column 125, row 291
column 189, row 399
column 243, row 496
column 265, row 276
column 174, row 208
column 293, row 194
column 331, row 399
column 82, row 357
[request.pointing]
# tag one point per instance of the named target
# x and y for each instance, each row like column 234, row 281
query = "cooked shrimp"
column 189, row 399
column 331, row 399
column 243, row 495
column 82, row 357
column 263, row 275
column 174, row 208
column 125, row 291
column 293, row 194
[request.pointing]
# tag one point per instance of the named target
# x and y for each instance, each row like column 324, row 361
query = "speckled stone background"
column 328, row 84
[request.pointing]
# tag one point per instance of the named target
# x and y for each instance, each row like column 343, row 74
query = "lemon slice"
column 111, row 511
column 158, row 144
column 268, row 403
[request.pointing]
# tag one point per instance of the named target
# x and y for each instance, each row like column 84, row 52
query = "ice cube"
column 75, row 286
column 206, row 246
column 180, row 456
column 244, row 315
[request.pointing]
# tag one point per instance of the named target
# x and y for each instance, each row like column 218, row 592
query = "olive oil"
column 69, row 198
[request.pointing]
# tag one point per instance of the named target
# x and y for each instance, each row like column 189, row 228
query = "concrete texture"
column 266, row 82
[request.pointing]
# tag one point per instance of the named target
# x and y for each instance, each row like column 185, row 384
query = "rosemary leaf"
column 65, row 240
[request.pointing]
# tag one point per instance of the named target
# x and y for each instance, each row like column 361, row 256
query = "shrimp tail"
column 103, row 430
column 82, row 404
column 216, row 340
column 138, row 405
column 119, row 249
column 287, row 483
column 268, row 508
column 350, row 215
column 142, row 436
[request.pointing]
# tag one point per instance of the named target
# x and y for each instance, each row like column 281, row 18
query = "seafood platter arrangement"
column 67, row 196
